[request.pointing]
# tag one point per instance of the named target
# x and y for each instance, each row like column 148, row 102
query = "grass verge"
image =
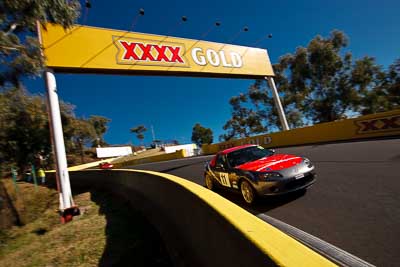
column 108, row 233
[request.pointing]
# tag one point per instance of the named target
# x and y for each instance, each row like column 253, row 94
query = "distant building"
column 190, row 149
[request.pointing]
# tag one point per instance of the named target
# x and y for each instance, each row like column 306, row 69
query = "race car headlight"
column 308, row 162
column 268, row 175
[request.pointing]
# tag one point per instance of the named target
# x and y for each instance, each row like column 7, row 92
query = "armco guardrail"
column 384, row 124
column 118, row 163
column 199, row 227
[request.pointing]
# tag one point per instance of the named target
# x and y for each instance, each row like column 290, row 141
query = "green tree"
column 24, row 129
column 254, row 112
column 139, row 130
column 25, row 132
column 392, row 85
column 318, row 83
column 19, row 47
column 380, row 89
column 100, row 126
column 317, row 79
column 201, row 135
column 84, row 133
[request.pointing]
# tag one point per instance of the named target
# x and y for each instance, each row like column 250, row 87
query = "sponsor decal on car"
column 383, row 124
column 224, row 178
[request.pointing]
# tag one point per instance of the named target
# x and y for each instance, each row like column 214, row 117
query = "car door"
column 222, row 171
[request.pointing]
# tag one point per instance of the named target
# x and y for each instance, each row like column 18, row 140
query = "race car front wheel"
column 247, row 192
column 209, row 182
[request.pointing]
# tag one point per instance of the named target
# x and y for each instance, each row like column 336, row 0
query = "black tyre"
column 209, row 182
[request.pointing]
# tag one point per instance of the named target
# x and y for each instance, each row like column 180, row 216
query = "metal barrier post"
column 67, row 205
column 278, row 103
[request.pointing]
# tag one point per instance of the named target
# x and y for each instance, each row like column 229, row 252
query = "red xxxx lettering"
column 161, row 53
column 175, row 54
column 390, row 123
column 147, row 55
column 369, row 125
column 129, row 50
column 146, row 52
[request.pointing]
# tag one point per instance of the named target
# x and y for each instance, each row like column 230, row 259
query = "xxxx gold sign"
column 147, row 52
column 384, row 124
column 89, row 49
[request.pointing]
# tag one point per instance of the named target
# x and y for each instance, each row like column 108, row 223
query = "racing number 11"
column 224, row 177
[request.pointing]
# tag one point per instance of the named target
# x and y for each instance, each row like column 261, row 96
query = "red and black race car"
column 106, row 166
column 255, row 171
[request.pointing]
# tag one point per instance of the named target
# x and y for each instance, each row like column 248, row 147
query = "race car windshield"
column 248, row 154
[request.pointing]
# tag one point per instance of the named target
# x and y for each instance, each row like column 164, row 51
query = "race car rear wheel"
column 247, row 191
column 209, row 182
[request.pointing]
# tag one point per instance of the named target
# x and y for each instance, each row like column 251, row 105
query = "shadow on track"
column 263, row 204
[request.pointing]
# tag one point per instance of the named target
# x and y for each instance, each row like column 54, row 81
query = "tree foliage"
column 318, row 83
column 381, row 90
column 201, row 135
column 84, row 132
column 19, row 47
column 139, row 131
column 24, row 128
column 100, row 126
column 24, row 132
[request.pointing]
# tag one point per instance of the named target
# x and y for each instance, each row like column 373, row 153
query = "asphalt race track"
column 354, row 205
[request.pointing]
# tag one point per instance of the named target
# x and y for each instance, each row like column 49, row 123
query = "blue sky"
column 174, row 104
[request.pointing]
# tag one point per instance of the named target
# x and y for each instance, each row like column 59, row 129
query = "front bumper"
column 285, row 186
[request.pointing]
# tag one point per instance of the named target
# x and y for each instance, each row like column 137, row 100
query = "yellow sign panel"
column 96, row 50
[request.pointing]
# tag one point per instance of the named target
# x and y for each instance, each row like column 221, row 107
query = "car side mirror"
column 272, row 150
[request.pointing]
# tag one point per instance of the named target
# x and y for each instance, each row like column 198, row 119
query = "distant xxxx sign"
column 95, row 50
column 384, row 124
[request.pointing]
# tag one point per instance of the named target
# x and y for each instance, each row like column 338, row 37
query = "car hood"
column 272, row 163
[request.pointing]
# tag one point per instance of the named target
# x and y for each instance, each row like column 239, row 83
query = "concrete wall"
column 200, row 227
column 189, row 149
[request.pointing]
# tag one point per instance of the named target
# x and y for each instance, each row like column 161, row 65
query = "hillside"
column 108, row 233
